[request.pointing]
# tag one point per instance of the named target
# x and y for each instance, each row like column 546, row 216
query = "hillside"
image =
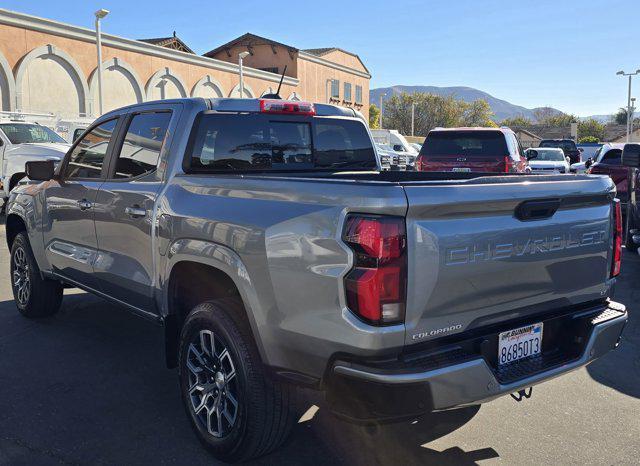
column 501, row 108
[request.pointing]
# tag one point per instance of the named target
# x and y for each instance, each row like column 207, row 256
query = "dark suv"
column 487, row 150
column 568, row 146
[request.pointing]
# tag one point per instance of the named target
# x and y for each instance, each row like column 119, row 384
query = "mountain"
column 600, row 118
column 501, row 108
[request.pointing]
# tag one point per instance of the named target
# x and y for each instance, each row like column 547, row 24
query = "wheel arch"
column 199, row 271
column 14, row 224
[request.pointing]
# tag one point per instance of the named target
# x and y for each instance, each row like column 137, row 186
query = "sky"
column 562, row 53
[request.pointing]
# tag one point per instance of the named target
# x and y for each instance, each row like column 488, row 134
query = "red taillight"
column 376, row 286
column 286, row 107
column 617, row 239
column 508, row 164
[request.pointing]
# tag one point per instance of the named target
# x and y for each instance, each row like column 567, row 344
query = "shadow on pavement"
column 620, row 369
column 90, row 386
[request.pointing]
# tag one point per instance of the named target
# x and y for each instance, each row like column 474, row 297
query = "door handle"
column 84, row 204
column 135, row 211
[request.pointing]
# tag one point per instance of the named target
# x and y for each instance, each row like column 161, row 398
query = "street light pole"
column 413, row 118
column 241, row 56
column 381, row 97
column 629, row 112
column 101, row 13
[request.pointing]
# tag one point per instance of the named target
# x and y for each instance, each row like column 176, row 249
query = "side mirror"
column 40, row 170
column 631, row 155
column 531, row 154
column 580, row 149
column 588, row 163
column 398, row 148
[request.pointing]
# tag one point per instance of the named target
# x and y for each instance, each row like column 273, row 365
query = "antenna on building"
column 276, row 95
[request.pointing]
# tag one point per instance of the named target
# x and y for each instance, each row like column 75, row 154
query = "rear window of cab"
column 254, row 142
column 465, row 144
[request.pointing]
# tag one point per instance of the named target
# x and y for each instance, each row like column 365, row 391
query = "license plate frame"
column 520, row 343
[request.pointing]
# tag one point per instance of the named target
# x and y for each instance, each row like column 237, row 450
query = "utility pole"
column 241, row 57
column 413, row 118
column 382, row 96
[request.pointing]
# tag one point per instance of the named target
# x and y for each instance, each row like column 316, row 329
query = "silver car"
column 548, row 160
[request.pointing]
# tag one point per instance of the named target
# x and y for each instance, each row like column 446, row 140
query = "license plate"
column 519, row 343
column 460, row 169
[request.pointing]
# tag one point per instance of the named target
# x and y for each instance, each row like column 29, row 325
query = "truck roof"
column 474, row 128
column 250, row 105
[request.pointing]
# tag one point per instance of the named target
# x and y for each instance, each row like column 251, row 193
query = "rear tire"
column 34, row 296
column 236, row 410
column 628, row 237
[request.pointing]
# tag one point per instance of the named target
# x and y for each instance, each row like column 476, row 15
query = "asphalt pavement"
column 89, row 386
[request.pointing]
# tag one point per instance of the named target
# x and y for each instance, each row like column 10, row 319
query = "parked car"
column 390, row 160
column 567, row 145
column 631, row 160
column 72, row 129
column 393, row 139
column 397, row 160
column 609, row 162
column 488, row 150
column 21, row 142
column 547, row 160
column 262, row 236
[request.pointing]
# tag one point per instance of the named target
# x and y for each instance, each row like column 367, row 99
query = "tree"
column 620, row 118
column 591, row 128
column 374, row 116
column 519, row 121
column 560, row 119
column 543, row 113
column 432, row 111
column 478, row 113
column 588, row 139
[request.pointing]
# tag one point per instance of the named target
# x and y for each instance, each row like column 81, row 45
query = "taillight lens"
column 617, row 239
column 420, row 164
column 286, row 107
column 376, row 286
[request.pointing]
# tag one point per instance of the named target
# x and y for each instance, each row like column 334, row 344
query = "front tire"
column 237, row 411
column 34, row 296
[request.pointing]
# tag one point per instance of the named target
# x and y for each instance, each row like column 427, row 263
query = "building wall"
column 50, row 67
column 316, row 81
column 263, row 57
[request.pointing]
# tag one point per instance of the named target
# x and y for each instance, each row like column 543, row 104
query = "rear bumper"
column 362, row 392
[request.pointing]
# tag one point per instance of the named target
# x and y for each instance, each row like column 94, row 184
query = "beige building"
column 50, row 67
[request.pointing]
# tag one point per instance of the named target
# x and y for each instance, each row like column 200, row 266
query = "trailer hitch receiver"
column 522, row 394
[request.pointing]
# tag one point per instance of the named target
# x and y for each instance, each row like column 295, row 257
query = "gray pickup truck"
column 264, row 238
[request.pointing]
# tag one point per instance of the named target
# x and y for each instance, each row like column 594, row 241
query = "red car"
column 608, row 161
column 488, row 150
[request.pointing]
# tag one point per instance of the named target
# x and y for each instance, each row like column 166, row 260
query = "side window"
column 511, row 145
column 613, row 157
column 142, row 143
column 519, row 146
column 87, row 157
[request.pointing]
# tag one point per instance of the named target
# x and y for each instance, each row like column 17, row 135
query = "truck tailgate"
column 493, row 249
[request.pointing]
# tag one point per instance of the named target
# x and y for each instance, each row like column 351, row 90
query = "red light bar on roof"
column 286, row 107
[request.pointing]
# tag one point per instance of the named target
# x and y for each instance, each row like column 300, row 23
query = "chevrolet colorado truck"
column 264, row 237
